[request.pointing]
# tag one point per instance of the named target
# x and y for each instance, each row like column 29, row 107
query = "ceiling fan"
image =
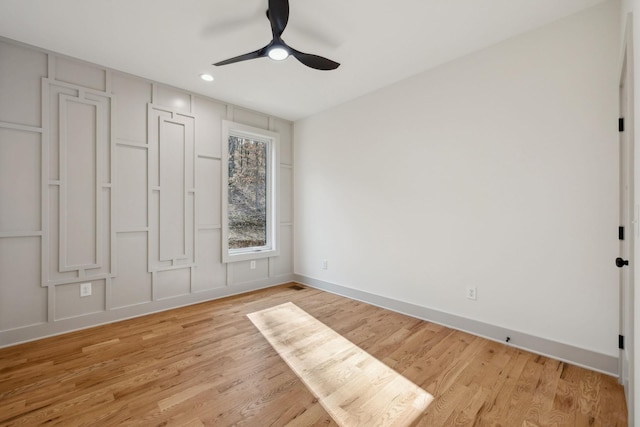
column 277, row 49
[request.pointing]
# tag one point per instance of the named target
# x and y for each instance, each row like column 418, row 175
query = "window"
column 249, row 179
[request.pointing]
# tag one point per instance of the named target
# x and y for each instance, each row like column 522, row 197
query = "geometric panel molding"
column 77, row 164
column 172, row 192
column 80, row 208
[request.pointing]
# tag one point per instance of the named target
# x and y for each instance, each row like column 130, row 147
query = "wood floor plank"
column 542, row 402
column 207, row 365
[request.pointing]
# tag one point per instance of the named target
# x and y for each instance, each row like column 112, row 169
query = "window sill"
column 228, row 257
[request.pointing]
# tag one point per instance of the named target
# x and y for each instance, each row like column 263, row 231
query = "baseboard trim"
column 577, row 356
column 39, row 331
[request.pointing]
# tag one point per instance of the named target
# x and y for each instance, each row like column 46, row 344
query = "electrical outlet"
column 325, row 264
column 85, row 289
column 472, row 293
column 252, row 265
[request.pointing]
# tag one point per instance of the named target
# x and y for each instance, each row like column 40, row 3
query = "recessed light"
column 206, row 77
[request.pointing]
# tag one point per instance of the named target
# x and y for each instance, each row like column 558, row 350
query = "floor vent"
column 296, row 287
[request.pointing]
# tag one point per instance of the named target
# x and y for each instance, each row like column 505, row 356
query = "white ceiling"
column 377, row 42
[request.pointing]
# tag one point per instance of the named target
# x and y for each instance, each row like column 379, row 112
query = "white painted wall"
column 141, row 219
column 497, row 170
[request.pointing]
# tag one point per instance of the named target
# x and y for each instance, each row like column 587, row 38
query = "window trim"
column 273, row 199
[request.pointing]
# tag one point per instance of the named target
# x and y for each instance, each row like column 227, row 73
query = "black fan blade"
column 278, row 14
column 314, row 61
column 252, row 55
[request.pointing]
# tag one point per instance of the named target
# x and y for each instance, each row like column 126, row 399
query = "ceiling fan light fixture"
column 277, row 49
column 278, row 53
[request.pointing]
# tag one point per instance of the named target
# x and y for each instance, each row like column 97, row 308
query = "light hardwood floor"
column 207, row 364
column 355, row 388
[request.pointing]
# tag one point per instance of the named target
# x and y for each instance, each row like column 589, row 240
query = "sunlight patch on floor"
column 355, row 388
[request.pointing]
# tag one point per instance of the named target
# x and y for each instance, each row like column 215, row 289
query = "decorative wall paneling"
column 172, row 195
column 115, row 180
column 77, row 205
column 23, row 302
column 77, row 162
column 210, row 273
column 278, row 266
column 132, row 285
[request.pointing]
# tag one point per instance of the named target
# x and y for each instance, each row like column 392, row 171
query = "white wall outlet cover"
column 85, row 289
